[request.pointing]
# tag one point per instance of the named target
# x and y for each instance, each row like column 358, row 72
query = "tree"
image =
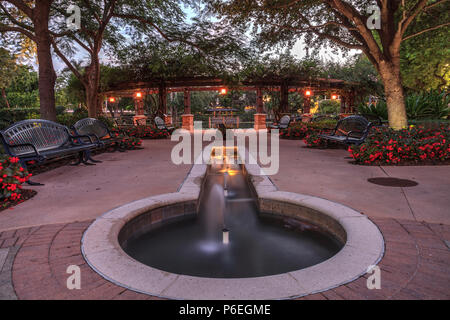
column 357, row 69
column 95, row 29
column 425, row 61
column 31, row 19
column 7, row 69
column 345, row 24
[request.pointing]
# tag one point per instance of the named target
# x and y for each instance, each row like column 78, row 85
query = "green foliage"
column 425, row 58
column 379, row 109
column 7, row 68
column 10, row 116
column 22, row 88
column 329, row 106
column 303, row 130
column 69, row 120
column 419, row 106
column 428, row 105
column 357, row 69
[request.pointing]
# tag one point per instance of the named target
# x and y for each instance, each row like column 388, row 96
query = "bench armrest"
column 79, row 137
column 12, row 146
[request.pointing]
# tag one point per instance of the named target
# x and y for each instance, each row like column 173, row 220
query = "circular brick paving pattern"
column 416, row 264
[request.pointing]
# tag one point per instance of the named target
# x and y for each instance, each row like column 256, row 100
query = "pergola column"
column 306, row 104
column 139, row 118
column 260, row 116
column 162, row 92
column 343, row 102
column 284, row 99
column 187, row 117
column 351, row 102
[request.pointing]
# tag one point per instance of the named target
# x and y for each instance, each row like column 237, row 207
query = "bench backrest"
column 160, row 124
column 376, row 120
column 91, row 126
column 356, row 124
column 43, row 134
column 284, row 122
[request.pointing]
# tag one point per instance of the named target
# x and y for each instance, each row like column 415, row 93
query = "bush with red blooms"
column 130, row 143
column 314, row 141
column 415, row 145
column 12, row 176
column 144, row 132
column 299, row 131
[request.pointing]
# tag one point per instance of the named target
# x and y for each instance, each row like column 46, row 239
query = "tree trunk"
column 47, row 75
column 92, row 101
column 92, row 88
column 6, row 98
column 395, row 97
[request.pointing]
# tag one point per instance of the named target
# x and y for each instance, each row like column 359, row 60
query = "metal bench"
column 352, row 130
column 323, row 117
column 43, row 140
column 99, row 131
column 284, row 123
column 376, row 120
column 161, row 125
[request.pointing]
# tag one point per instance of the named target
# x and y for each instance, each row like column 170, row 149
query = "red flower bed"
column 408, row 146
column 299, row 131
column 12, row 176
column 144, row 132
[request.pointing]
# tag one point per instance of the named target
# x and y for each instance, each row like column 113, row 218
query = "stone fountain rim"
column 101, row 249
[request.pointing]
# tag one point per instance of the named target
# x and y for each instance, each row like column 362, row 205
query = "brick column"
column 284, row 98
column 187, row 101
column 260, row 121
column 188, row 122
column 140, row 117
column 307, row 105
column 162, row 92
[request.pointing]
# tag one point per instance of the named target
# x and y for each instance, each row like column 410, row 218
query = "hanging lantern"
column 112, row 99
column 223, row 91
column 308, row 93
column 334, row 96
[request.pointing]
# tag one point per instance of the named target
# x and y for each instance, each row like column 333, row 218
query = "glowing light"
column 334, row 97
column 308, row 93
column 138, row 94
column 112, row 99
column 223, row 91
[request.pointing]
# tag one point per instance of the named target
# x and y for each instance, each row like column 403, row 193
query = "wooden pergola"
column 137, row 89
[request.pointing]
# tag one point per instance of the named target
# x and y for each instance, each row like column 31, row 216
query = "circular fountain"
column 230, row 234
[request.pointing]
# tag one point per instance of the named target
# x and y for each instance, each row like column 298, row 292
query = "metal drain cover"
column 393, row 182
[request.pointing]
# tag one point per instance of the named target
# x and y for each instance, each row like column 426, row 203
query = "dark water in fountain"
column 258, row 246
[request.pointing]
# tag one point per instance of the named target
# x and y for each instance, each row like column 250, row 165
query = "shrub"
column 329, row 106
column 144, row 132
column 10, row 116
column 409, row 146
column 419, row 106
column 12, row 176
column 302, row 130
column 130, row 143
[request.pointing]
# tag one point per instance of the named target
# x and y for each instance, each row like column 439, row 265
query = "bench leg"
column 88, row 157
column 80, row 159
column 29, row 182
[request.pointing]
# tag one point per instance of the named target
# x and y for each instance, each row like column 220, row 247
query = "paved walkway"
column 41, row 237
column 415, row 266
column 328, row 174
column 85, row 192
